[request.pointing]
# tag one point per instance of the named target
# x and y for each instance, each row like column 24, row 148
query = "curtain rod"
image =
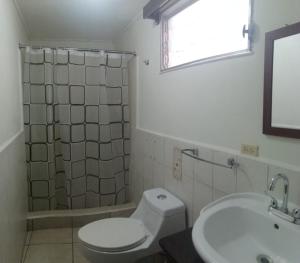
column 82, row 49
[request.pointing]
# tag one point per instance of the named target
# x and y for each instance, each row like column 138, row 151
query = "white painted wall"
column 218, row 103
column 12, row 33
column 13, row 186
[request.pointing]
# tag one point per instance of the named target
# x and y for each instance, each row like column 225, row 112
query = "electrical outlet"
column 248, row 149
column 177, row 163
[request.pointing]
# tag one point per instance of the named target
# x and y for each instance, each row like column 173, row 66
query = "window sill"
column 246, row 52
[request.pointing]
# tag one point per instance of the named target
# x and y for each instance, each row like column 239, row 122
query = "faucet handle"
column 296, row 216
column 296, row 213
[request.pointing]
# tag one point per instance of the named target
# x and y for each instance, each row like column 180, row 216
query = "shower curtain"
column 76, row 121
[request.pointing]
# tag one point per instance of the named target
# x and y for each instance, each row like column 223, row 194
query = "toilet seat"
column 113, row 234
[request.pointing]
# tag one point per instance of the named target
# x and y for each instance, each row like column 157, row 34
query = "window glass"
column 205, row 29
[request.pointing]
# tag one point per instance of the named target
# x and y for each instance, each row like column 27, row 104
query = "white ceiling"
column 78, row 19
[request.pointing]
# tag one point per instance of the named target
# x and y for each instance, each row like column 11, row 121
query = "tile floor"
column 60, row 245
column 53, row 246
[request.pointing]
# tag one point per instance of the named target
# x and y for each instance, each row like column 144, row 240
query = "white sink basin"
column 238, row 229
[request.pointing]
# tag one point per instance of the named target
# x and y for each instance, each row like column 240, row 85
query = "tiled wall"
column 13, row 203
column 151, row 166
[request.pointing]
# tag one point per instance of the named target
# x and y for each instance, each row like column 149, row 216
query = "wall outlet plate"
column 177, row 163
column 249, row 149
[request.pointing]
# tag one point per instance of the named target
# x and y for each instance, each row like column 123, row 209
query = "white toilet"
column 125, row 240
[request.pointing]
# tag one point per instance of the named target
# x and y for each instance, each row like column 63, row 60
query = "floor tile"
column 55, row 222
column 78, row 257
column 50, row 253
column 61, row 235
column 75, row 235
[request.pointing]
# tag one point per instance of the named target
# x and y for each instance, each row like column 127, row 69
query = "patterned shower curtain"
column 76, row 120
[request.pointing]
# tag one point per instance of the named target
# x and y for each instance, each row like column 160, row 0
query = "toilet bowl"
column 126, row 240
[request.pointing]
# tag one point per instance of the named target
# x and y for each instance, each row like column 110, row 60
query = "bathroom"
column 122, row 120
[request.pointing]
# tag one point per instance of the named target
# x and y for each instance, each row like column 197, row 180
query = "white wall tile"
column 158, row 149
column 170, row 144
column 224, row 179
column 148, row 173
column 251, row 175
column 188, row 166
column 184, row 191
column 201, row 182
column 218, row 194
column 202, row 196
column 170, row 181
column 138, row 186
column 204, row 171
column 158, row 175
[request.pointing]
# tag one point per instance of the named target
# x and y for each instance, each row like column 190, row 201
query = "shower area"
column 76, row 119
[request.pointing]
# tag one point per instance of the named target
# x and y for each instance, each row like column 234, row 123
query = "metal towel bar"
column 194, row 153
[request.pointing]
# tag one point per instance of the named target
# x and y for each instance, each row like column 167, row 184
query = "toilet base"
column 124, row 257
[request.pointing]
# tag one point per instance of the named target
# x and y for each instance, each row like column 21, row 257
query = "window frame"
column 177, row 8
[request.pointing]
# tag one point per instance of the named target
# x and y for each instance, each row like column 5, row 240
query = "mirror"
column 282, row 82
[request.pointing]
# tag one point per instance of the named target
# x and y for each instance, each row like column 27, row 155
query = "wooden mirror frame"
column 268, row 81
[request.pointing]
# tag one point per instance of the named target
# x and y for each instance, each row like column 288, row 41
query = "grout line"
column 49, row 243
column 26, row 247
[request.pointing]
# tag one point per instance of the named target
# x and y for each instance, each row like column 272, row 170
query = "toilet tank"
column 161, row 212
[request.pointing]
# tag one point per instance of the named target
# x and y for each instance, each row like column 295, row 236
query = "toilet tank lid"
column 163, row 202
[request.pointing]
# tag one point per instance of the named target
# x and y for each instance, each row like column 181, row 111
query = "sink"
column 238, row 228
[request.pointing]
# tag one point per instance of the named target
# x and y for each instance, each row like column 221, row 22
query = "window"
column 205, row 30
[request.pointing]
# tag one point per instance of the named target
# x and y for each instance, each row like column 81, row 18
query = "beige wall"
column 13, row 186
column 218, row 103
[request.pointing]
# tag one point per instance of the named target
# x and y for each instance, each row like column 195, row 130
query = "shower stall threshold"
column 76, row 217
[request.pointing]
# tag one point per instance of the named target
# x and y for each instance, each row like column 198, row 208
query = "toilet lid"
column 113, row 234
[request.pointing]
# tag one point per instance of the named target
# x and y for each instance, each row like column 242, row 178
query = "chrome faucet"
column 284, row 206
column 283, row 211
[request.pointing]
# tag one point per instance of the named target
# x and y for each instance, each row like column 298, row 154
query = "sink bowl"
column 239, row 229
